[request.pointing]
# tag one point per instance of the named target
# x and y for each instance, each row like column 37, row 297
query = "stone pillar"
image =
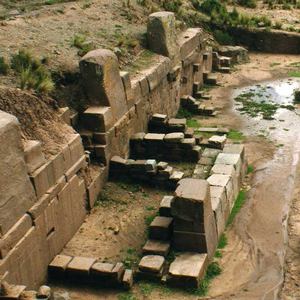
column 162, row 35
column 16, row 191
column 102, row 80
column 194, row 220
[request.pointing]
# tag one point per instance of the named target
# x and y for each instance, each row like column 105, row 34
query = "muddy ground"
column 261, row 260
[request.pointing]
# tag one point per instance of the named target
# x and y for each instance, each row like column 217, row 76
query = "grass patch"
column 237, row 206
column 33, row 74
column 250, row 169
column 4, row 67
column 223, row 242
column 183, row 113
column 235, row 135
column 275, row 64
column 294, row 74
column 142, row 62
column 206, row 135
column 192, row 123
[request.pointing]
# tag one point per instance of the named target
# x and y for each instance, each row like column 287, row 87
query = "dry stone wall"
column 43, row 203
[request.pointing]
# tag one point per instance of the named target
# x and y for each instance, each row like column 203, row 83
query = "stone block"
column 159, row 118
column 154, row 137
column 176, row 176
column 230, row 159
column 65, row 114
column 101, row 270
column 192, row 203
column 189, row 41
column 194, row 154
column 217, row 141
column 80, row 164
column 206, row 161
column 102, row 80
column 144, row 86
column 128, row 279
column 80, row 266
column 11, row 292
column 210, row 152
column 151, row 263
column 188, row 225
column 219, row 215
column 157, row 247
column 162, row 165
column 165, row 206
column 235, row 149
column 177, row 125
column 33, row 155
column 187, row 270
column 189, row 133
column 58, row 166
column 161, row 228
column 76, row 148
column 99, row 119
column 162, row 36
column 175, row 137
column 188, row 143
column 16, row 190
column 150, row 165
column 59, row 264
column 44, row 292
column 14, row 235
column 190, row 241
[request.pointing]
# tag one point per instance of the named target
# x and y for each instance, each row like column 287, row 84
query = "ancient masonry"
column 44, row 202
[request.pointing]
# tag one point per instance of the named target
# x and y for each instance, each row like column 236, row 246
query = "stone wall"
column 43, row 203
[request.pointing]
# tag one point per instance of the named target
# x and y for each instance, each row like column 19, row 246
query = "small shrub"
column 3, row 66
column 244, row 19
column 208, row 6
column 248, row 3
column 278, row 24
column 234, row 14
column 223, row 38
column 297, row 4
column 33, row 75
column 286, row 6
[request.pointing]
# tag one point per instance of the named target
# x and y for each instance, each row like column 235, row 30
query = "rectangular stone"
column 97, row 118
column 152, row 263
column 33, row 155
column 187, row 270
column 165, row 206
column 59, row 264
column 80, row 266
column 14, row 235
column 160, row 228
column 157, row 247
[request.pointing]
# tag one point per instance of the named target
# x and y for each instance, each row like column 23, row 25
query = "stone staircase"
column 197, row 107
column 221, row 63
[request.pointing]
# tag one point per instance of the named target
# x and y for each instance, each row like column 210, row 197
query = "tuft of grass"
column 294, row 74
column 218, row 254
column 278, row 24
column 275, row 64
column 237, row 206
column 250, row 169
column 223, row 242
column 3, row 66
column 235, row 135
column 33, row 74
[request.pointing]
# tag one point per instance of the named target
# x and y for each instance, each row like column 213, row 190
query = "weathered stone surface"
column 14, row 235
column 237, row 53
column 138, row 137
column 160, row 228
column 219, row 215
column 102, row 80
column 61, row 296
column 192, row 203
column 206, row 161
column 99, row 119
column 190, row 40
column 175, row 137
column 159, row 117
column 187, row 270
column 118, row 270
column 217, row 141
column 176, row 176
column 165, row 206
column 102, row 269
column 80, row 266
column 127, row 279
column 152, row 263
column 17, row 194
column 44, row 292
column 162, row 35
column 154, row 137
column 162, row 165
column 10, row 291
column 177, row 125
column 235, row 149
column 189, row 133
column 59, row 264
column 230, row 159
column 150, row 165
column 157, row 247
column 208, row 129
column 210, row 152
column 34, row 156
column 188, row 143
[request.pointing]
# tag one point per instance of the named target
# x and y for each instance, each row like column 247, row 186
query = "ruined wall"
column 43, row 203
column 155, row 90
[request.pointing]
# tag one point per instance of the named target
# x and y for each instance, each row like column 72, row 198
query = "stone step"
column 207, row 97
column 161, row 228
column 212, row 80
column 225, row 61
column 165, row 206
column 157, row 247
column 187, row 270
column 201, row 171
column 224, row 70
column 151, row 267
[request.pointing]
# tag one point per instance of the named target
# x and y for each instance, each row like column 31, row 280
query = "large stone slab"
column 102, row 80
column 187, row 270
column 157, row 247
column 230, row 159
column 162, row 35
column 16, row 190
column 152, row 263
column 192, row 203
column 99, row 119
column 80, row 266
column 34, row 156
column 59, row 264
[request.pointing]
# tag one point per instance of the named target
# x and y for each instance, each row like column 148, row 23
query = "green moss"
column 237, row 206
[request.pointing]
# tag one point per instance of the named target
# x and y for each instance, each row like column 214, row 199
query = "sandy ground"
column 261, row 237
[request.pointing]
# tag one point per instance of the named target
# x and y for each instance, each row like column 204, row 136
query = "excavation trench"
column 253, row 262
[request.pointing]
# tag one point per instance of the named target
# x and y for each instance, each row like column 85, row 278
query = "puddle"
column 267, row 100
